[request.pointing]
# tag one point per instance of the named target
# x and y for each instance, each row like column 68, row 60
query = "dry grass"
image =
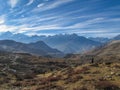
column 38, row 73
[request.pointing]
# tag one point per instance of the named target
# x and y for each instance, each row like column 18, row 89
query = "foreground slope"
column 26, row 72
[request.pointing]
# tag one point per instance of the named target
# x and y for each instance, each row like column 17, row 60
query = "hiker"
column 92, row 60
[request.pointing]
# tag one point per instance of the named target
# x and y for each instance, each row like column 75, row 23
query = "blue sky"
column 97, row 18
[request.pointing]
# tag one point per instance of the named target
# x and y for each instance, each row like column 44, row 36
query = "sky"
column 96, row 18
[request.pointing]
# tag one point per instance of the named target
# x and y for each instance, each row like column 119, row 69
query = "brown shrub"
column 54, row 78
column 80, row 88
column 16, row 84
column 95, row 65
column 49, row 79
column 22, row 76
column 73, row 79
column 50, row 86
column 106, row 85
column 117, row 66
column 83, row 70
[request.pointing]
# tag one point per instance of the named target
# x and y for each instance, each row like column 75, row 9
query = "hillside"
column 110, row 52
column 112, row 48
column 85, row 77
column 23, row 71
column 15, row 67
column 38, row 48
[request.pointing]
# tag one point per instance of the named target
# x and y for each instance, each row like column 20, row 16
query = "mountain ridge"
column 41, row 49
column 67, row 43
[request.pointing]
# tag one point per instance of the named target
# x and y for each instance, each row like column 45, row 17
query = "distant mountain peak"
column 8, row 33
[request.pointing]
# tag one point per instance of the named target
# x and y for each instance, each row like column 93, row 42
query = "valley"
column 59, row 44
column 23, row 71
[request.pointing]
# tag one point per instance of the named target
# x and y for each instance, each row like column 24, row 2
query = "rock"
column 117, row 74
column 112, row 73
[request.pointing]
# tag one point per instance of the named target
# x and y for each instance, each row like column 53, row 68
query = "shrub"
column 106, row 85
column 83, row 70
column 80, row 88
column 53, row 78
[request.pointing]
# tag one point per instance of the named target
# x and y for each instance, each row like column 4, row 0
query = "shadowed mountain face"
column 38, row 48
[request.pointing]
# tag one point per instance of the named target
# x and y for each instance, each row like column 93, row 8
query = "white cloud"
column 40, row 5
column 58, row 3
column 26, row 28
column 86, row 23
column 52, row 5
column 4, row 28
column 46, row 0
column 30, row 2
column 13, row 3
column 39, row 34
column 2, row 20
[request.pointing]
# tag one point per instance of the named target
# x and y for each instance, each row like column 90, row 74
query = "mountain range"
column 71, row 43
column 37, row 48
column 66, row 43
column 20, row 67
column 100, row 39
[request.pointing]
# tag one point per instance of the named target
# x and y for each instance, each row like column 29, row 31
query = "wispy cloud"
column 86, row 23
column 40, row 5
column 52, row 5
column 4, row 28
column 59, row 16
column 30, row 2
column 2, row 19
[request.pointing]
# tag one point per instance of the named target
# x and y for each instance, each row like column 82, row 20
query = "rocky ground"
column 102, row 76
